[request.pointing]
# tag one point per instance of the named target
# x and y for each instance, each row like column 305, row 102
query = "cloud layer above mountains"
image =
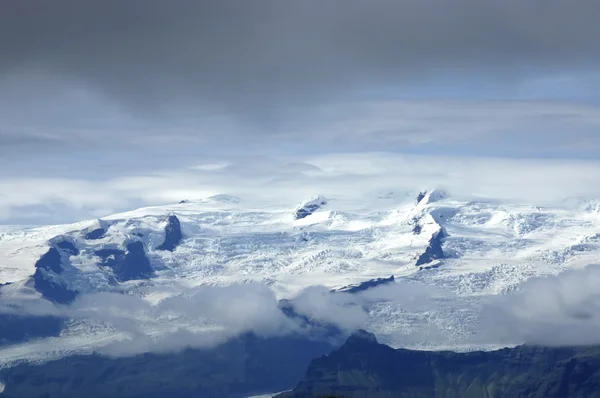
column 105, row 97
column 258, row 180
column 97, row 77
column 247, row 56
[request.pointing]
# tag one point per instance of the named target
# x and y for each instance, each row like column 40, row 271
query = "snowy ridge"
column 310, row 206
column 223, row 242
column 488, row 248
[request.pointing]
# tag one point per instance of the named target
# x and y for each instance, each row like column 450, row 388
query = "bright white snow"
column 492, row 247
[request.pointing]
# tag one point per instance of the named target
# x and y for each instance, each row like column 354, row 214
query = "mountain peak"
column 308, row 207
column 361, row 336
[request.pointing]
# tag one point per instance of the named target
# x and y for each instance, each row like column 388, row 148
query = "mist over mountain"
column 204, row 198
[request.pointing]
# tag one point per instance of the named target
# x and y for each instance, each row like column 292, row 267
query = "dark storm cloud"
column 252, row 55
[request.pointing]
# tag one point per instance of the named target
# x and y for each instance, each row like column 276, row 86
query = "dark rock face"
column 96, row 234
column 434, row 251
column 127, row 265
column 173, row 234
column 110, row 257
column 244, row 366
column 367, row 285
column 47, row 279
column 363, row 368
column 417, row 229
column 68, row 247
column 16, row 328
column 51, row 261
column 135, row 265
column 421, row 196
column 309, row 208
column 305, row 211
column 361, row 337
column 53, row 287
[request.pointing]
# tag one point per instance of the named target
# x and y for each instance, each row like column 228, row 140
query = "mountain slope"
column 222, row 242
column 363, row 368
column 242, row 366
column 468, row 247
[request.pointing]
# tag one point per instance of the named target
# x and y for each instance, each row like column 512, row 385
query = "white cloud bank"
column 288, row 181
column 551, row 310
column 558, row 310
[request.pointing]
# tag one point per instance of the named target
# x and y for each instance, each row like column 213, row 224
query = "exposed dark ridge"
column 127, row 265
column 361, row 336
column 110, row 257
column 47, row 279
column 309, row 208
column 434, row 251
column 173, row 234
column 50, row 261
column 417, row 229
column 421, row 196
column 364, row 368
column 68, row 247
column 361, row 287
column 53, row 287
column 95, row 234
column 135, row 265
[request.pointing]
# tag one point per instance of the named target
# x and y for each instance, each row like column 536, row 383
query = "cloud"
column 552, row 310
column 97, row 149
column 187, row 317
column 557, row 310
column 206, row 316
column 145, row 51
column 98, row 90
column 320, row 305
column 259, row 60
column 286, row 181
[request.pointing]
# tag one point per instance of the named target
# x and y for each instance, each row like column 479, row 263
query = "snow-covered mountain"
column 468, row 247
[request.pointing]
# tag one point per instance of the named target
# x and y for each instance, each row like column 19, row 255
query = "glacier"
column 470, row 248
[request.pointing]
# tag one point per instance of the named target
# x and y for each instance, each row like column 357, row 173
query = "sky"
column 108, row 105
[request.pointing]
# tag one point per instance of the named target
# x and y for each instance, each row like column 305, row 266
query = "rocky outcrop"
column 427, row 197
column 47, row 279
column 309, row 207
column 173, row 234
column 434, row 250
column 364, row 368
column 131, row 264
column 361, row 287
column 417, row 228
column 53, row 287
column 95, row 234
column 50, row 261
column 67, row 247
